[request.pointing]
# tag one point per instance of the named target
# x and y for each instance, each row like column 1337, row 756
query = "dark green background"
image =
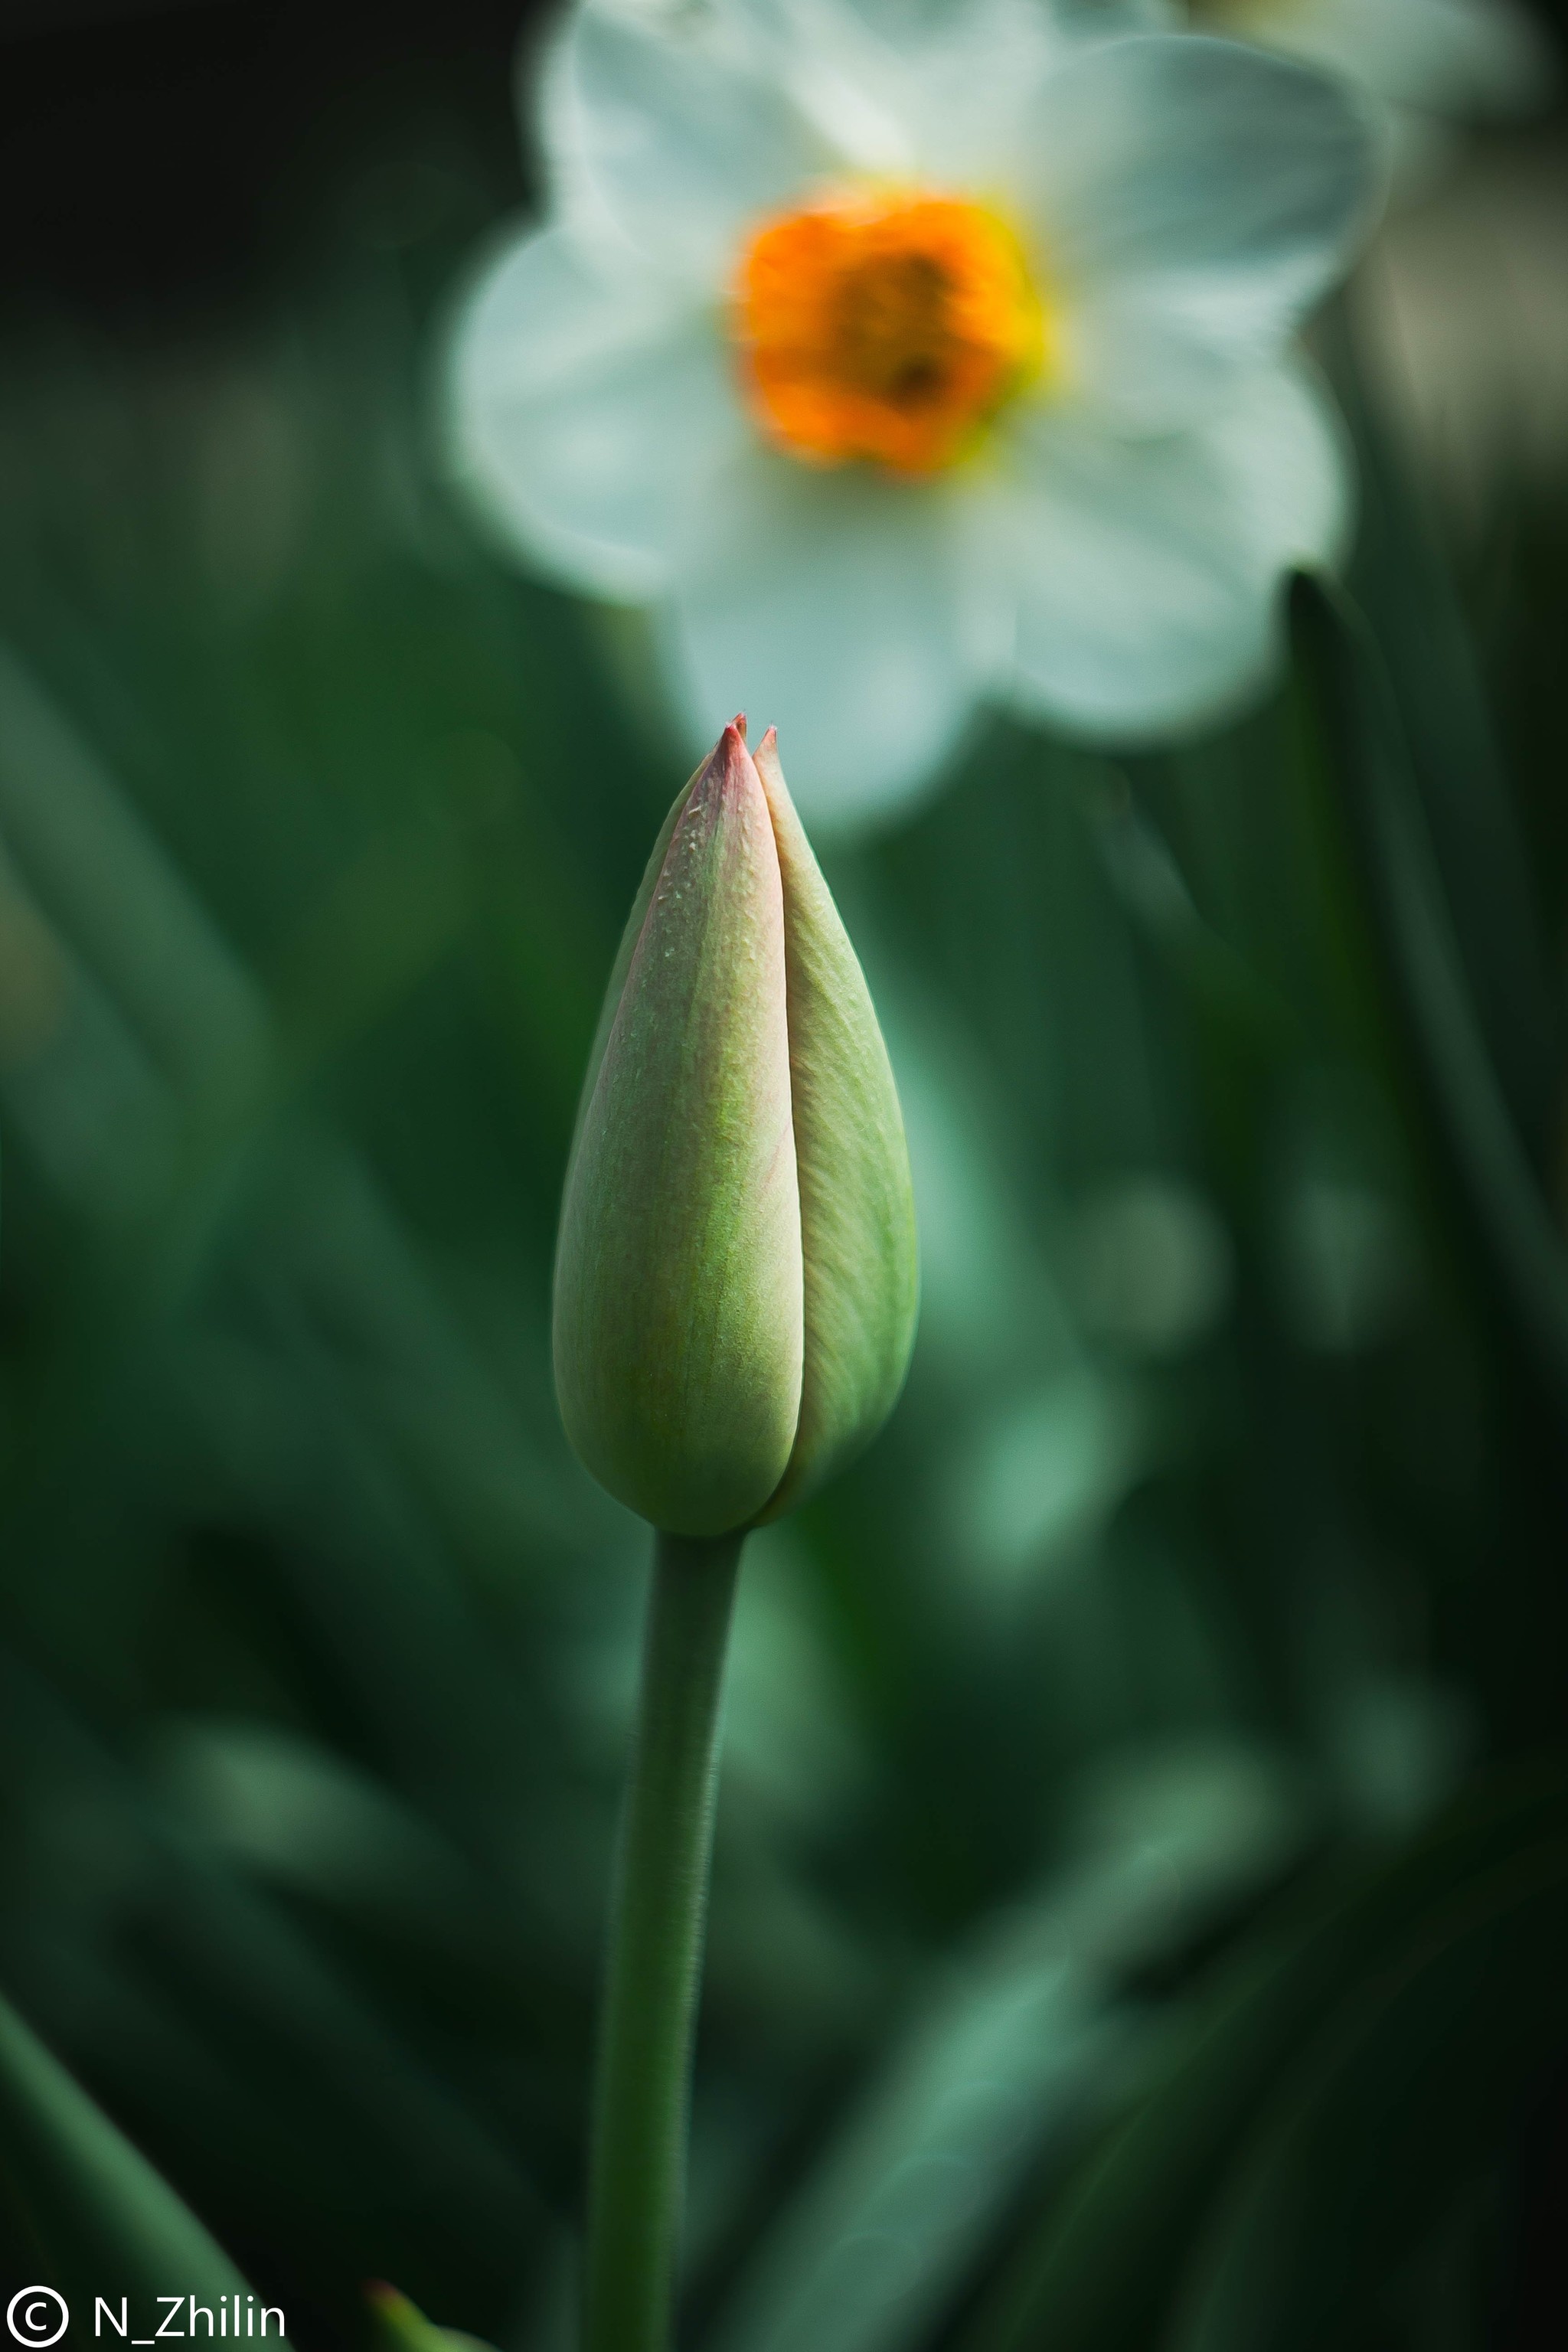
column 1106, row 1728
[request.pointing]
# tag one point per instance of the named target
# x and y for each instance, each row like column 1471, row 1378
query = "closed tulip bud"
column 735, row 1285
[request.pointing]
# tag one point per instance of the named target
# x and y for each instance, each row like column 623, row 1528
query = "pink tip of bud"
column 729, row 753
column 726, row 775
column 739, row 724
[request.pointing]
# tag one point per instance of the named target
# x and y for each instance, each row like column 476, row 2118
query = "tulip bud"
column 735, row 1285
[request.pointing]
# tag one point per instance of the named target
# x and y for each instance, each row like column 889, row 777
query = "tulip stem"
column 637, row 2171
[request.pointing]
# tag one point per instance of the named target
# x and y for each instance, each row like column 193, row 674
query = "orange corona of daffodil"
column 888, row 327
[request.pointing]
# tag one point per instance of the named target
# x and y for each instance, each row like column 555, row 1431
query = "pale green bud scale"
column 856, row 1204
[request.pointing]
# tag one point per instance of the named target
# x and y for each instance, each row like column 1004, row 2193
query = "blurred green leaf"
column 1004, row 2055
column 105, row 2221
column 1367, row 768
column 1400, row 578
column 1388, row 2113
column 1102, row 2265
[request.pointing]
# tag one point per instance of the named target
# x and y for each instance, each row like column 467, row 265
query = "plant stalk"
column 637, row 2166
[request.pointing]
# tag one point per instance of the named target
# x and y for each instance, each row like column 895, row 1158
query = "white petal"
column 835, row 606
column 978, row 82
column 845, row 74
column 588, row 412
column 665, row 122
column 938, row 89
column 1148, row 570
column 1191, row 198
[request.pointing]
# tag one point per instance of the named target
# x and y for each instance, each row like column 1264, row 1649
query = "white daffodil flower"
column 1426, row 61
column 905, row 354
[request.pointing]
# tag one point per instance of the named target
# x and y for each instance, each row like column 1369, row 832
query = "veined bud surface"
column 736, row 1281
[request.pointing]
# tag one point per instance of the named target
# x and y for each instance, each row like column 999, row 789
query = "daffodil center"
column 888, row 327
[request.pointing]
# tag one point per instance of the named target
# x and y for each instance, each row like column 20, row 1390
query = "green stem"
column 639, row 2163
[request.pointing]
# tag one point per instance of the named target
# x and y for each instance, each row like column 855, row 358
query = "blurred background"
column 1217, row 1551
